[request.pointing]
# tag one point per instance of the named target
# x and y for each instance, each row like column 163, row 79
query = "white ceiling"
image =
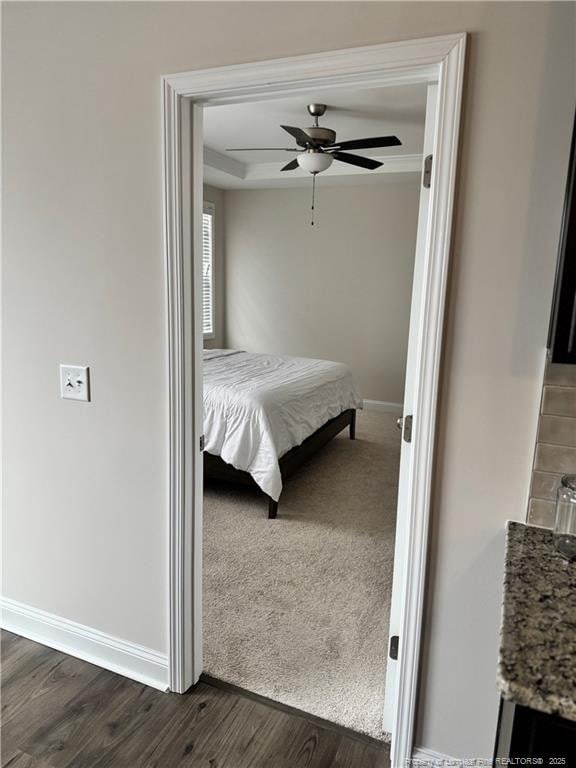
column 352, row 113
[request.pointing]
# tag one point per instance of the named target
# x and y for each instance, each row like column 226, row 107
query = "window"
column 208, row 271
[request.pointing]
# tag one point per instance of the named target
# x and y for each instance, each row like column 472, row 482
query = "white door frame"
column 429, row 60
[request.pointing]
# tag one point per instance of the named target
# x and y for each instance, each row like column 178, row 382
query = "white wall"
column 85, row 487
column 339, row 290
column 216, row 196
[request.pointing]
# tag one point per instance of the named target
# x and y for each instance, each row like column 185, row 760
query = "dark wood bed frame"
column 216, row 468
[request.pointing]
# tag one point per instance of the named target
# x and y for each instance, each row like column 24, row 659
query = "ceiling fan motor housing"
column 320, row 135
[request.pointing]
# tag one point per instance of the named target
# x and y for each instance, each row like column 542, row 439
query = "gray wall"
column 217, row 196
column 85, row 485
column 339, row 290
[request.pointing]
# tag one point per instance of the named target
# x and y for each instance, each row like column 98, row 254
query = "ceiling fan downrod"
column 316, row 111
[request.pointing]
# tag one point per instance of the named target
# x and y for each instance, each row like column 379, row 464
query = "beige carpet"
column 296, row 608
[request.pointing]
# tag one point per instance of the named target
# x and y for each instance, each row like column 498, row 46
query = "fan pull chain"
column 313, row 196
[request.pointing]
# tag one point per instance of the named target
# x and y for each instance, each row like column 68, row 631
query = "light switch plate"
column 75, row 382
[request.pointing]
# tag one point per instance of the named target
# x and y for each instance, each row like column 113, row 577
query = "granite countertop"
column 537, row 665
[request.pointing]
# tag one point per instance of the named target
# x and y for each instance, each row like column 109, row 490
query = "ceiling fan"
column 318, row 148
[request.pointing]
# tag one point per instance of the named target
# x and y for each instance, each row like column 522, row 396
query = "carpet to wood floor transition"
column 296, row 609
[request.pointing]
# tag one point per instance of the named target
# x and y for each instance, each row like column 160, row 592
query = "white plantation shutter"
column 208, row 269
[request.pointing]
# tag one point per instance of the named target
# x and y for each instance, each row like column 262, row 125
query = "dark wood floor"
column 60, row 712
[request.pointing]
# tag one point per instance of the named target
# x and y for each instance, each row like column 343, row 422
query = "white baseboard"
column 382, row 405
column 427, row 758
column 91, row 645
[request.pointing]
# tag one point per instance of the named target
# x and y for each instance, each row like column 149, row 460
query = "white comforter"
column 257, row 407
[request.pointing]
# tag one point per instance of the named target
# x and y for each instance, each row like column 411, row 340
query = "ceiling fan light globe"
column 314, row 162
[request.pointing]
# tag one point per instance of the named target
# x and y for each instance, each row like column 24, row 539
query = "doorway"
column 306, row 313
column 437, row 62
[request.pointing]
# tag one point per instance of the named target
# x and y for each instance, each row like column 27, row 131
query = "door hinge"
column 202, row 442
column 393, row 650
column 427, row 175
column 407, row 428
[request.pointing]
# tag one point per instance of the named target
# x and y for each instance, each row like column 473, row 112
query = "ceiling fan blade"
column 262, row 149
column 373, row 143
column 301, row 138
column 292, row 165
column 362, row 162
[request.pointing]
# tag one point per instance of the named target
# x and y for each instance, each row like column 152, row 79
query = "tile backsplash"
column 555, row 453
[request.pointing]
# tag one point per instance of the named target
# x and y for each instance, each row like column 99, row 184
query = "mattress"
column 259, row 406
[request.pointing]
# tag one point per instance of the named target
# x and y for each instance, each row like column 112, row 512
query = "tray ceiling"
column 352, row 113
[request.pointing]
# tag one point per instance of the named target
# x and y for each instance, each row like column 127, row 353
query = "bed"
column 265, row 415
